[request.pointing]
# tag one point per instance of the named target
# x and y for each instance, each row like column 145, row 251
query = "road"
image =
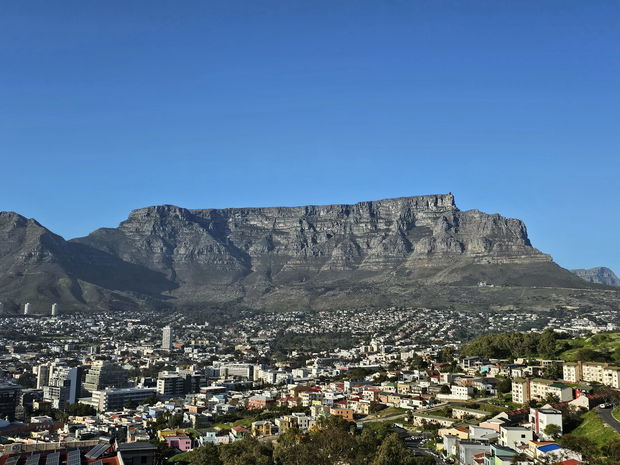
column 417, row 448
column 608, row 418
column 388, row 418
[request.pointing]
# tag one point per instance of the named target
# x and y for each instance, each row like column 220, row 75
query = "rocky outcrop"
column 286, row 256
column 598, row 275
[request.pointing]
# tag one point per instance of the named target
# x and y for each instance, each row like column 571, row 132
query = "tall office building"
column 166, row 338
column 103, row 374
column 55, row 309
column 65, row 386
column 27, row 308
column 1, row 308
column 43, row 375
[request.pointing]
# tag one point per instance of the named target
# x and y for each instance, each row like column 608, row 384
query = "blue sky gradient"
column 514, row 106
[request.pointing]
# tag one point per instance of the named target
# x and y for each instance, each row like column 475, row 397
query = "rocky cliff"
column 332, row 255
column 598, row 275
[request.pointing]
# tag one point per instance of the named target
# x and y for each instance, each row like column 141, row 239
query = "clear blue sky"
column 514, row 106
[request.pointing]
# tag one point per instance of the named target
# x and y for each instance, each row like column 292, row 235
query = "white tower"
column 166, row 338
column 1, row 308
column 27, row 308
column 55, row 309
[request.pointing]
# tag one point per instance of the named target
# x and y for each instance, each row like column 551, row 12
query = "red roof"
column 570, row 462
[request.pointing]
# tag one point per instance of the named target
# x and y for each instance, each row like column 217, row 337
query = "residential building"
column 603, row 373
column 513, row 436
column 540, row 418
column 262, row 428
column 103, row 374
column 237, row 370
column 181, row 442
column 462, row 412
column 526, row 389
column 345, row 413
column 466, row 451
column 109, row 400
column 170, row 384
column 166, row 338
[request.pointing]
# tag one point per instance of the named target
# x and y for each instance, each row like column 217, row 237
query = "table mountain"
column 599, row 275
column 381, row 252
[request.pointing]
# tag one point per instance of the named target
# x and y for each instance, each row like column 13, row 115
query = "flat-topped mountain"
column 379, row 252
column 598, row 275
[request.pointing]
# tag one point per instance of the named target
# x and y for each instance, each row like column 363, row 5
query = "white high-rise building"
column 55, row 309
column 166, row 338
column 43, row 375
column 27, row 308
column 1, row 308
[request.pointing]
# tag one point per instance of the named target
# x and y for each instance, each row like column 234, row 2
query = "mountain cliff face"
column 291, row 257
column 598, row 275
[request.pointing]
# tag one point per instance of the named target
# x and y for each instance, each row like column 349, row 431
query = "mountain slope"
column 40, row 267
column 405, row 251
column 598, row 275
column 249, row 253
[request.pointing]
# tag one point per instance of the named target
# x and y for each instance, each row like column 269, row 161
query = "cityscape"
column 292, row 232
column 172, row 384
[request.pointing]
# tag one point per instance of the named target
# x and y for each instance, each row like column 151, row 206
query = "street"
column 608, row 418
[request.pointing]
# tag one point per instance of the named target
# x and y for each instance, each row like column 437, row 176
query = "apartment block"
column 592, row 372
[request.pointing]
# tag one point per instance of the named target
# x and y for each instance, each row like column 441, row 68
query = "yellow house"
column 262, row 428
column 164, row 433
column 461, row 433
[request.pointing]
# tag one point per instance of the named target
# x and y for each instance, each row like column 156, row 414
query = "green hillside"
column 548, row 344
column 599, row 347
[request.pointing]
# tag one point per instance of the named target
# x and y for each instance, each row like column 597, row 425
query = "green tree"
column 447, row 354
column 163, row 452
column 205, row 455
column 554, row 371
column 553, row 431
column 295, row 448
column 552, row 398
column 612, row 450
column 579, row 444
column 375, row 406
column 504, row 386
column 424, row 460
column 418, row 363
column 546, row 343
column 393, row 452
column 248, row 451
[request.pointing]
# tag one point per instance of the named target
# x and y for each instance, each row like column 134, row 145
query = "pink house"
column 181, row 442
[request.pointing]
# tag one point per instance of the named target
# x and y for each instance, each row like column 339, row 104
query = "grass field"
column 182, row 457
column 388, row 412
column 594, row 429
column 245, row 422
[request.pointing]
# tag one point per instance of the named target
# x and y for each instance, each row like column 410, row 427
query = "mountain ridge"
column 277, row 257
column 598, row 275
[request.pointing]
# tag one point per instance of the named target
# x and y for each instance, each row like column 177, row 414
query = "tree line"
column 335, row 443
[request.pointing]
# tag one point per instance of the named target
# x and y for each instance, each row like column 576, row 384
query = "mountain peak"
column 598, row 275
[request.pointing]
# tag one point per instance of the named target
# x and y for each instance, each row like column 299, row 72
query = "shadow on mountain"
column 102, row 269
